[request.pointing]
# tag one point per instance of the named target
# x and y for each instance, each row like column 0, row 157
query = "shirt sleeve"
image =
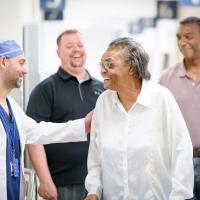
column 93, row 182
column 48, row 132
column 181, row 153
column 40, row 103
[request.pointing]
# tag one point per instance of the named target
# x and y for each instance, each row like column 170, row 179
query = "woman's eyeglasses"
column 106, row 65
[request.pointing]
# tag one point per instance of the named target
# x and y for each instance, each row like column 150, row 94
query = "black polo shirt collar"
column 65, row 75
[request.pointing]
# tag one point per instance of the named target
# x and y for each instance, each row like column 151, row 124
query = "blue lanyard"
column 11, row 133
column 10, row 127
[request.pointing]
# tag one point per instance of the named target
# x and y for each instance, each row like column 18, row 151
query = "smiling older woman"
column 140, row 148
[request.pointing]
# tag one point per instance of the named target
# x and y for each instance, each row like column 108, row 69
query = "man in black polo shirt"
column 66, row 95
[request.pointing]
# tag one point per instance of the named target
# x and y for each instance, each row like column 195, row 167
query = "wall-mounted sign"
column 57, row 15
column 167, row 9
column 53, row 9
column 138, row 25
column 52, row 5
column 189, row 2
column 135, row 27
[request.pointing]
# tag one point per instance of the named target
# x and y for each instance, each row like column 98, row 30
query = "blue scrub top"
column 13, row 183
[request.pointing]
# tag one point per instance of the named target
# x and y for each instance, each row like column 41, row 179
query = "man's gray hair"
column 134, row 55
column 191, row 20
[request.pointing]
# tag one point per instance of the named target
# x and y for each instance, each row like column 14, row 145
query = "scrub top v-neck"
column 12, row 153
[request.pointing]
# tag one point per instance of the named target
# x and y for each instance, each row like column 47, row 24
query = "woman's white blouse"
column 142, row 154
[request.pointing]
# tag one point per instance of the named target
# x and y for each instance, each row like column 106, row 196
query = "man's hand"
column 91, row 197
column 48, row 191
column 88, row 119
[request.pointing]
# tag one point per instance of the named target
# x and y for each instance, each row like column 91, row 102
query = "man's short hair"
column 68, row 31
column 191, row 20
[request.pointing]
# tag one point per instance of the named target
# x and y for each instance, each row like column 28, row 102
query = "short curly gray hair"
column 134, row 55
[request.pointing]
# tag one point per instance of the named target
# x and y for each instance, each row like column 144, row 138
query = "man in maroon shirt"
column 183, row 80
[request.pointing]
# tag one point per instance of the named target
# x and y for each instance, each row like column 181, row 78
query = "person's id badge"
column 11, row 169
column 15, row 168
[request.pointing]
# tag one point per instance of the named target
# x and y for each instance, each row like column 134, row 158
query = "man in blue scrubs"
column 17, row 129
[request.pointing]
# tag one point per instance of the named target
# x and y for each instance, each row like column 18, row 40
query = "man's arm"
column 41, row 96
column 47, row 189
column 88, row 119
column 38, row 158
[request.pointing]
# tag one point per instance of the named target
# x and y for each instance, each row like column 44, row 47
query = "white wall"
column 99, row 21
column 13, row 15
column 9, row 19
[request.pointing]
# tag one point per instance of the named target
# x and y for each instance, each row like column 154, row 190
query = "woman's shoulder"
column 107, row 94
column 159, row 91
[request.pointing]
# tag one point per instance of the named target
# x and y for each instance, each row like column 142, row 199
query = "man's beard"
column 18, row 83
column 77, row 66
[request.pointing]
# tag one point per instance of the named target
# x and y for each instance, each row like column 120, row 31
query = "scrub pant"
column 72, row 192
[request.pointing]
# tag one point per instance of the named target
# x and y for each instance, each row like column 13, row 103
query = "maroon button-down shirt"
column 187, row 94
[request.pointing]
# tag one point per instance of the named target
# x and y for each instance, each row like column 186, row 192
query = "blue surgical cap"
column 10, row 49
